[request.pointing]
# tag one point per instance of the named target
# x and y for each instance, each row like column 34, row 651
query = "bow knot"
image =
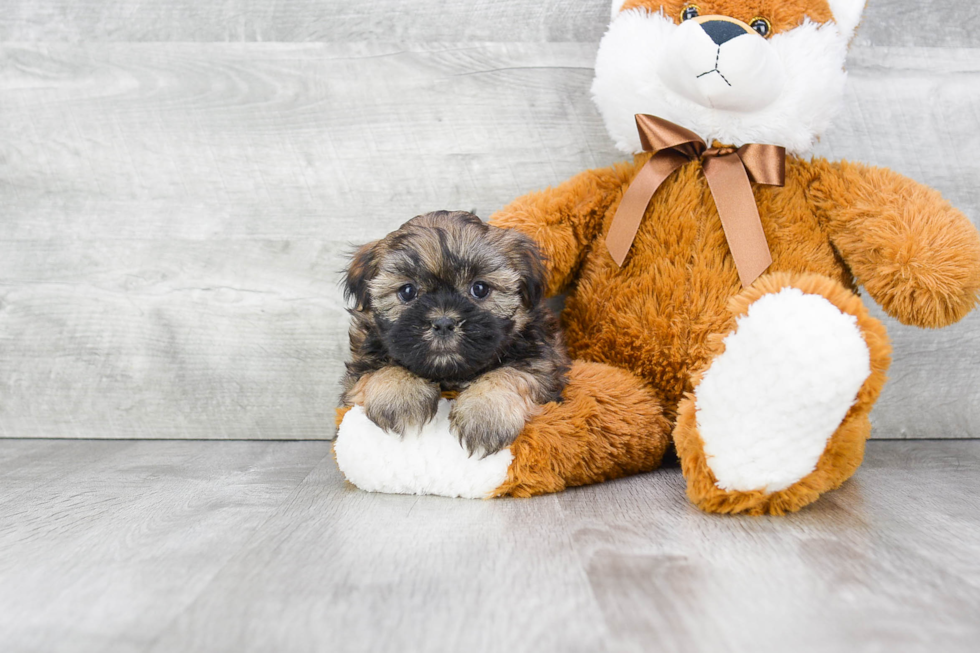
column 720, row 150
column 729, row 171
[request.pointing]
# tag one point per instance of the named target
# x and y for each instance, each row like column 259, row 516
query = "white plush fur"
column 768, row 405
column 806, row 63
column 428, row 461
column 742, row 75
column 847, row 14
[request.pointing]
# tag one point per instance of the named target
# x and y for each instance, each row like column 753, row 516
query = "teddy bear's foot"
column 780, row 414
column 768, row 404
column 609, row 425
column 426, row 460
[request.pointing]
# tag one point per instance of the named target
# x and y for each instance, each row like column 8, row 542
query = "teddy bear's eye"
column 689, row 12
column 407, row 293
column 762, row 26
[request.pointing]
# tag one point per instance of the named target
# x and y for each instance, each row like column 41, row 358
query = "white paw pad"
column 428, row 461
column 768, row 405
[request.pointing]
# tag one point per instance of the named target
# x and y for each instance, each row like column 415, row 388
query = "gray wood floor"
column 180, row 181
column 260, row 546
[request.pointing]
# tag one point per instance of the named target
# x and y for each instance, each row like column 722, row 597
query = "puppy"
column 447, row 303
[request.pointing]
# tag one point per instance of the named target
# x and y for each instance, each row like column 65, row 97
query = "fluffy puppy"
column 447, row 303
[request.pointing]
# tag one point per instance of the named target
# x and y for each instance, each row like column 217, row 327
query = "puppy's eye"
column 689, row 12
column 480, row 289
column 407, row 293
column 762, row 26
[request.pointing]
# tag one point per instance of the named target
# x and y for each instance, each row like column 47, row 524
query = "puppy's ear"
column 363, row 267
column 530, row 264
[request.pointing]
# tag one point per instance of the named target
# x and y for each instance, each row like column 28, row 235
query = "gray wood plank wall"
column 180, row 182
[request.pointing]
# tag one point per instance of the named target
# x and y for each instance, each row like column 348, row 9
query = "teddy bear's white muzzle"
column 740, row 74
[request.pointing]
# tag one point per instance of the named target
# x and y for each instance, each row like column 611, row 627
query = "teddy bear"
column 712, row 282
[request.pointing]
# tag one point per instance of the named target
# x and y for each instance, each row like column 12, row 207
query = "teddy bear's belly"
column 659, row 335
column 655, row 315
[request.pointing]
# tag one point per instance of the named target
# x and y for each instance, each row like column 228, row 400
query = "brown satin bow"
column 728, row 171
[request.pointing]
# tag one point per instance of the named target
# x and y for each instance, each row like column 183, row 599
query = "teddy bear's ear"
column 616, row 6
column 847, row 14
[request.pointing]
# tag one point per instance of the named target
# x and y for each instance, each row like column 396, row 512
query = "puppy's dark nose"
column 722, row 31
column 444, row 326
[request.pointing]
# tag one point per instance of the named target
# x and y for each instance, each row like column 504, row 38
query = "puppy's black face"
column 442, row 335
column 447, row 293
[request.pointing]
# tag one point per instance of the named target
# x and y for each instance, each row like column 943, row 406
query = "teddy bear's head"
column 735, row 71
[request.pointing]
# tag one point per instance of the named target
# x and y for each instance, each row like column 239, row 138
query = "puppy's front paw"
column 397, row 400
column 486, row 422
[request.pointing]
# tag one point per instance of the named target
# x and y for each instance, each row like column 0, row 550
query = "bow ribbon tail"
column 629, row 214
column 732, row 192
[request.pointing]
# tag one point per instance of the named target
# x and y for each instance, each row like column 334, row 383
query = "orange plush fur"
column 782, row 14
column 846, row 447
column 663, row 316
column 915, row 254
column 646, row 335
column 607, row 427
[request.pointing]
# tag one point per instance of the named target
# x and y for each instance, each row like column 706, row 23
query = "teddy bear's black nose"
column 722, row 31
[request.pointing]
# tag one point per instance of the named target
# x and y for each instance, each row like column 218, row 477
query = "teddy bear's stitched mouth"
column 715, row 69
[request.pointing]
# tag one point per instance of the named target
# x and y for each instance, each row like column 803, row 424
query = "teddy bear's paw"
column 429, row 460
column 768, row 405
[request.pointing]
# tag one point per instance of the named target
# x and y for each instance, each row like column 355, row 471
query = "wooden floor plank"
column 341, row 569
column 260, row 546
column 887, row 562
column 102, row 557
column 26, row 465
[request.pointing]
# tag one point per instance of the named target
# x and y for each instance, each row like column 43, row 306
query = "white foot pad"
column 430, row 461
column 768, row 405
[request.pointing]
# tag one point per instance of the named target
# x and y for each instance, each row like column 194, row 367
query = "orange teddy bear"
column 709, row 310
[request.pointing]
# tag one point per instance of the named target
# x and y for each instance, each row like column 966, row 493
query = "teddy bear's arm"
column 566, row 219
column 912, row 251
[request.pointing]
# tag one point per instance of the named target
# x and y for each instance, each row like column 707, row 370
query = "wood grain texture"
column 882, row 564
column 927, row 23
column 283, row 141
column 183, row 213
column 105, row 543
column 249, row 546
column 176, row 214
column 166, row 338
